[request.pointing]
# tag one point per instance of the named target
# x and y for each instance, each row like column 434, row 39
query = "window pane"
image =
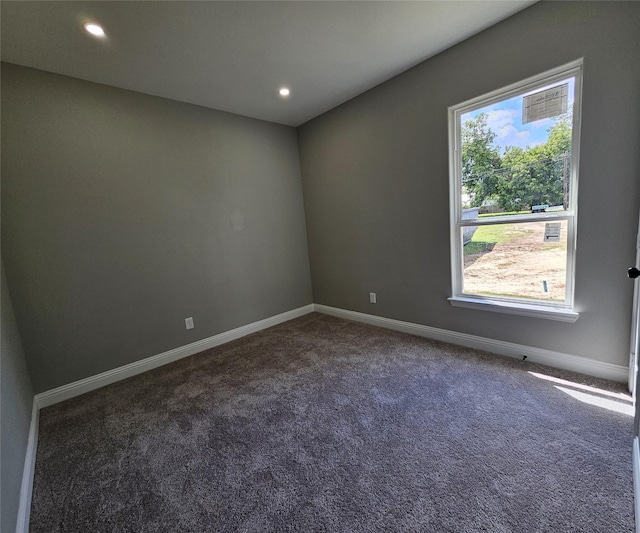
column 517, row 260
column 516, row 153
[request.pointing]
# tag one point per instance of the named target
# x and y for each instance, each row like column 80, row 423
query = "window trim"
column 519, row 306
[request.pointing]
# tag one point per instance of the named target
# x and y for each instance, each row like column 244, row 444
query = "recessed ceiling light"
column 284, row 91
column 94, row 29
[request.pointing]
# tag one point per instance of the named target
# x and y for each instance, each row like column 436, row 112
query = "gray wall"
column 123, row 213
column 16, row 400
column 375, row 179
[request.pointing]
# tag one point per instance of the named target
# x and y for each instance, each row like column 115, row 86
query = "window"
column 513, row 182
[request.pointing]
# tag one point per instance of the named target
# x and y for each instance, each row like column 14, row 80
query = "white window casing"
column 555, row 310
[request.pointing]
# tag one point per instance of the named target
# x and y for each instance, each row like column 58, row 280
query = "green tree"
column 537, row 175
column 480, row 160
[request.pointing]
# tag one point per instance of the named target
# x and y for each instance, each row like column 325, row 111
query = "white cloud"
column 500, row 118
column 510, row 136
column 543, row 123
column 502, row 123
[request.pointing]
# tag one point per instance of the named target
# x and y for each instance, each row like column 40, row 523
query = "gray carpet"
column 320, row 424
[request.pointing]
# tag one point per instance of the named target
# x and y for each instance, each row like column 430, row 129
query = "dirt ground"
column 520, row 266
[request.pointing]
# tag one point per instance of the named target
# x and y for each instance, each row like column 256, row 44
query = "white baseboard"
column 26, row 489
column 536, row 355
column 636, row 481
column 76, row 388
column 565, row 361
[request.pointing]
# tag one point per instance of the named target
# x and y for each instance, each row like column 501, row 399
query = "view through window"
column 514, row 176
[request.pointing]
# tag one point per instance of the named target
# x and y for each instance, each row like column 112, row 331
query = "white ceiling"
column 235, row 55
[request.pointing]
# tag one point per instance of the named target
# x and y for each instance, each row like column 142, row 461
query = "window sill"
column 510, row 308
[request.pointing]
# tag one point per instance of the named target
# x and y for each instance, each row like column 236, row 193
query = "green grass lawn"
column 497, row 253
column 486, row 237
column 477, row 247
column 504, row 213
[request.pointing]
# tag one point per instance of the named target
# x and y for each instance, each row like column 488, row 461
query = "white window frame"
column 563, row 311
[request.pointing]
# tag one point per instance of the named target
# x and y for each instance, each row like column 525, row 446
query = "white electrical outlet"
column 188, row 322
column 372, row 297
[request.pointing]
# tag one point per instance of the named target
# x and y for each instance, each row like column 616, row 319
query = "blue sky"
column 505, row 120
